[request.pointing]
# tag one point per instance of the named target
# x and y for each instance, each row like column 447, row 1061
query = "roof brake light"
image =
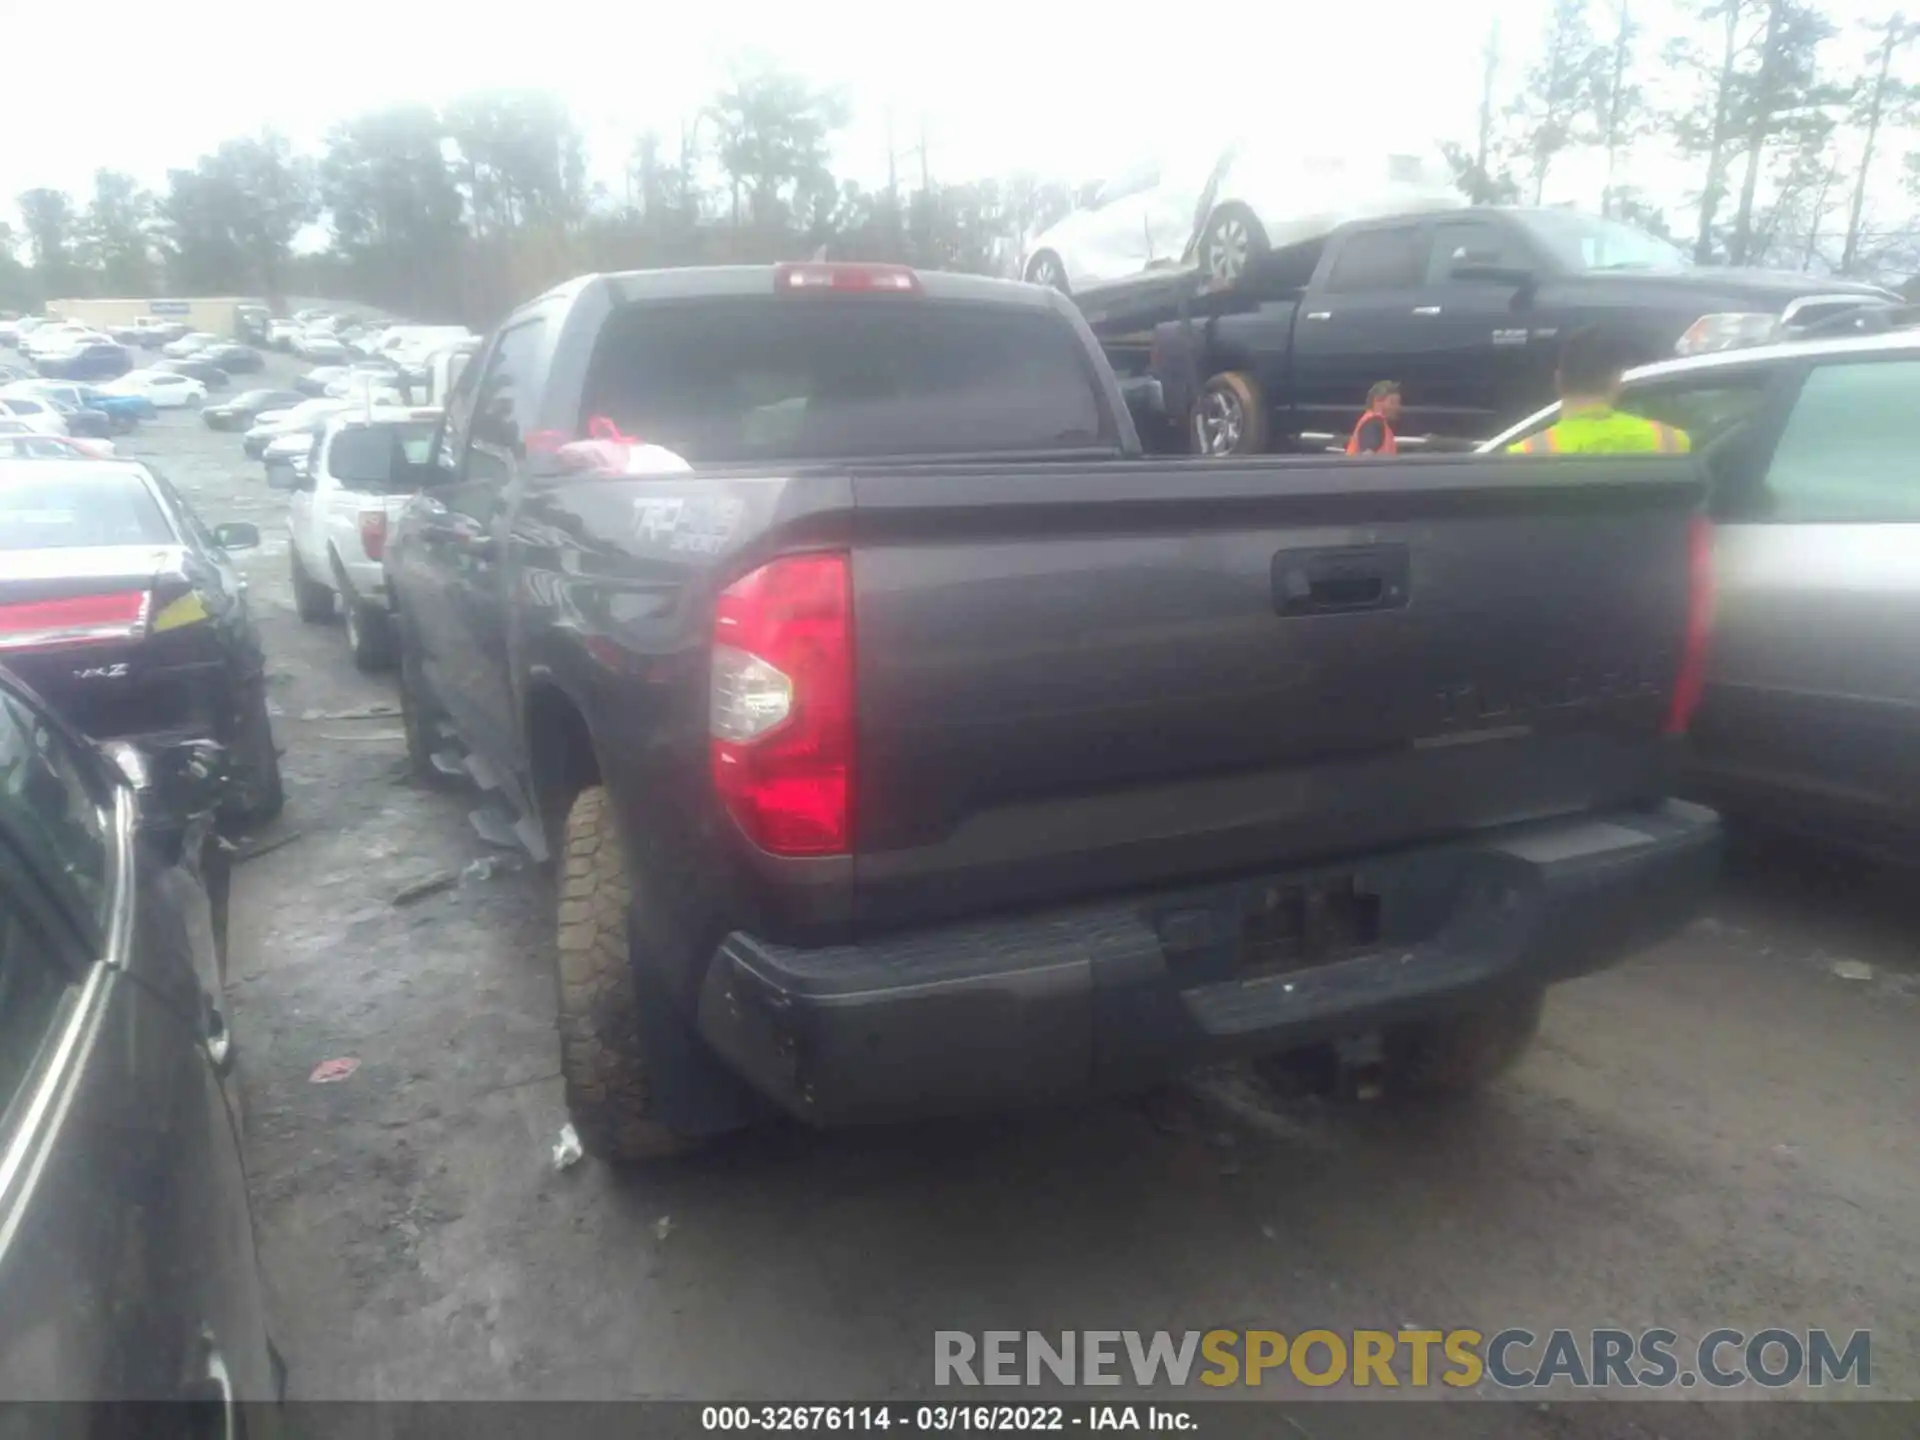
column 802, row 276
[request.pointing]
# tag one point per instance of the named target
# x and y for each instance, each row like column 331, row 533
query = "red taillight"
column 373, row 533
column 782, row 704
column 826, row 275
column 1691, row 681
column 73, row 620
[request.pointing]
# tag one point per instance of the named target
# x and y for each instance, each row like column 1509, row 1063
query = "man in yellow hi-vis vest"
column 1589, row 382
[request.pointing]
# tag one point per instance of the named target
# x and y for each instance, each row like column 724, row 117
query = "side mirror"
column 1516, row 275
column 236, row 535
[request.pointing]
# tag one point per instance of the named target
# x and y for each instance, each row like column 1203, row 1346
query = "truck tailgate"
column 1078, row 679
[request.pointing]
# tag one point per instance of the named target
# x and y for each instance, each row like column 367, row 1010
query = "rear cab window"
column 739, row 379
column 361, row 457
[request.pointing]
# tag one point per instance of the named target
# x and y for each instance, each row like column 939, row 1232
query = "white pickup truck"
column 337, row 517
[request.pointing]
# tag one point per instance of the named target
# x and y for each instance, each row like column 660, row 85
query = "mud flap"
column 693, row 1092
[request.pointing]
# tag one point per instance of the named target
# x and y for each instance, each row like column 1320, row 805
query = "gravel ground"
column 1716, row 1134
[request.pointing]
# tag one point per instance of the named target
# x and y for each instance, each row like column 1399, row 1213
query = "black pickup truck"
column 1464, row 308
column 926, row 747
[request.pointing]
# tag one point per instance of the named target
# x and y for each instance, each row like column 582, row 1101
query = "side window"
column 1471, row 242
column 54, row 809
column 1391, row 259
column 1709, row 410
column 1845, row 454
column 502, row 401
column 463, row 384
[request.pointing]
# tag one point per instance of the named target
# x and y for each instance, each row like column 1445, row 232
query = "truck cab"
column 340, row 505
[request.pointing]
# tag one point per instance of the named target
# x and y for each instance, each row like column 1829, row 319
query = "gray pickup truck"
column 920, row 745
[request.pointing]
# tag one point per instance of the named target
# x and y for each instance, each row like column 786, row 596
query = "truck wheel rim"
column 1217, row 423
column 1227, row 255
column 1049, row 274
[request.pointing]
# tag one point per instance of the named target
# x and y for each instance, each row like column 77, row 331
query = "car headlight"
column 1728, row 330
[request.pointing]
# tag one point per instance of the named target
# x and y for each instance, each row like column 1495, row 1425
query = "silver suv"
column 1812, row 713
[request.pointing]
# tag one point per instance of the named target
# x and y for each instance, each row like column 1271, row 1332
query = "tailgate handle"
column 1340, row 581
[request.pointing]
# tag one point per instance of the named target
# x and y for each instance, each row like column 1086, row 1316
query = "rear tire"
column 609, row 1091
column 1231, row 245
column 1047, row 269
column 1229, row 417
column 369, row 628
column 312, row 601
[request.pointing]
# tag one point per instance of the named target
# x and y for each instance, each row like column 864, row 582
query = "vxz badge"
column 102, row 672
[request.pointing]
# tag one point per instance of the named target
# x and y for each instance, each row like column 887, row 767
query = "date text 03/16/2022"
column 947, row 1419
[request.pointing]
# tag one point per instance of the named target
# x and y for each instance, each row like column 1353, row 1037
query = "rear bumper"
column 1083, row 1002
column 368, row 579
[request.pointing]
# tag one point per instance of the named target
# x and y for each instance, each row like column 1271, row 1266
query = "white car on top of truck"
column 341, row 504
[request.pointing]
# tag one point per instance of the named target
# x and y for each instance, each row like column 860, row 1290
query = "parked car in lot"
column 243, row 409
column 341, row 504
column 303, row 419
column 38, row 415
column 280, row 334
column 58, row 336
column 321, row 346
column 1464, row 310
column 87, row 362
column 124, row 412
column 190, row 344
column 286, row 453
column 886, row 710
column 316, row 380
column 234, row 359
column 129, row 1268
column 164, row 389
column 368, row 389
column 78, row 418
column 1223, row 210
column 209, row 375
column 251, row 323
column 19, row 442
column 108, row 556
column 1811, row 717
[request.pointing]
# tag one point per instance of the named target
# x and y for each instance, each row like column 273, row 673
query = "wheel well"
column 560, row 755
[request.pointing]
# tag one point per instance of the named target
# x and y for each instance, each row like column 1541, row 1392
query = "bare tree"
column 1884, row 95
column 1620, row 100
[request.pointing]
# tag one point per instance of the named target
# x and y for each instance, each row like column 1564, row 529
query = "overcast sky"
column 1062, row 87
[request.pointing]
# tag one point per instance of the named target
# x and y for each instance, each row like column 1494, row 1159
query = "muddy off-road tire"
column 369, row 627
column 608, row 1093
column 1461, row 1053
